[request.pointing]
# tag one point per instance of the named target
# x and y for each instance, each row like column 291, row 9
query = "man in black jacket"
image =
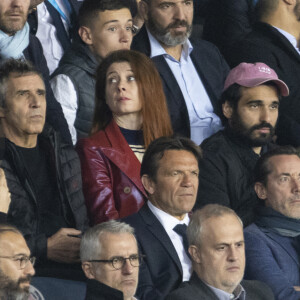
column 43, row 174
column 17, row 42
column 275, row 42
column 110, row 260
column 250, row 109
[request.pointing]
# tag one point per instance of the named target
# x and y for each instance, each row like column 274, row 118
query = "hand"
column 297, row 288
column 4, row 193
column 63, row 248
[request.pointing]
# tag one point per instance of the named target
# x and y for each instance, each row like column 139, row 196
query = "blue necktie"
column 181, row 230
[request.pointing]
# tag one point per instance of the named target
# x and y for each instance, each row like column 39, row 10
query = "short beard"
column 10, row 290
column 10, row 27
column 245, row 134
column 164, row 35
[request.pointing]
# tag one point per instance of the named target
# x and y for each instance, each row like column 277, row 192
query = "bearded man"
column 16, row 266
column 250, row 103
column 192, row 73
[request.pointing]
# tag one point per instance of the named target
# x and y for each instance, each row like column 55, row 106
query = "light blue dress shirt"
column 203, row 121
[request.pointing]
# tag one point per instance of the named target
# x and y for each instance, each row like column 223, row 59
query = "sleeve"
column 97, row 180
column 262, row 265
column 65, row 93
column 212, row 182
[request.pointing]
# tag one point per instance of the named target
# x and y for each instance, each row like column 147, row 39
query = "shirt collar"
column 238, row 293
column 166, row 220
column 289, row 36
column 157, row 49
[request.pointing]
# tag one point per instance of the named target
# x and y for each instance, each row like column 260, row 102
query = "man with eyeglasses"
column 16, row 266
column 110, row 260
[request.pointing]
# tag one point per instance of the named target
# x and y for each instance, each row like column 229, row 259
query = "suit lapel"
column 278, row 39
column 155, row 227
column 199, row 65
column 122, row 156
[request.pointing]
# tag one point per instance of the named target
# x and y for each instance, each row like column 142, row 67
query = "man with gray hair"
column 110, row 260
column 193, row 74
column 219, row 262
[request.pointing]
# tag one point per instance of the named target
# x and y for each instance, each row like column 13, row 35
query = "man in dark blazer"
column 274, row 41
column 16, row 42
column 272, row 241
column 215, row 236
column 169, row 174
column 193, row 74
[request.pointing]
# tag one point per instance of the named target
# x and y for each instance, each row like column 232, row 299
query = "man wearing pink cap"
column 250, row 102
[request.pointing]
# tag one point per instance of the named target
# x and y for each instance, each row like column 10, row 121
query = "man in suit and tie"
column 272, row 241
column 169, row 173
column 193, row 73
column 217, row 250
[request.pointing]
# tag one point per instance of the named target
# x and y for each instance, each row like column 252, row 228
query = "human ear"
column 88, row 270
column 86, row 35
column 227, row 110
column 194, row 253
column 260, row 190
column 148, row 184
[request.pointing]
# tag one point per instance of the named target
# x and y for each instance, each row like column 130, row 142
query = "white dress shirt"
column 46, row 33
column 169, row 222
column 290, row 38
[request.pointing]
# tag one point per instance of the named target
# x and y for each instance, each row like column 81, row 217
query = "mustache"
column 262, row 125
column 178, row 23
column 15, row 10
column 26, row 278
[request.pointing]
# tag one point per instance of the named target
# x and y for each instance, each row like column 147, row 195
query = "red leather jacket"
column 110, row 175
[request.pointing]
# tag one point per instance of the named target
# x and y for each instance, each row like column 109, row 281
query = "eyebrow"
column 261, row 102
column 116, row 21
column 112, row 72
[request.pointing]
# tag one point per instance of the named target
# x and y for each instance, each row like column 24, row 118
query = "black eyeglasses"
column 22, row 260
column 118, row 262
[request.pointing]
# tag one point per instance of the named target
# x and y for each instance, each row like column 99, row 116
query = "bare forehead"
column 284, row 164
column 12, row 243
column 268, row 93
column 116, row 241
column 180, row 157
column 29, row 80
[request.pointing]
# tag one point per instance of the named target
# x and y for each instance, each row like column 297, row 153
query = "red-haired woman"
column 130, row 112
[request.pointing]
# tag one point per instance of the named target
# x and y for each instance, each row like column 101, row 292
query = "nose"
column 295, row 185
column 125, row 36
column 186, row 180
column 122, row 86
column 29, row 269
column 179, row 12
column 232, row 253
column 265, row 115
column 35, row 101
column 127, row 268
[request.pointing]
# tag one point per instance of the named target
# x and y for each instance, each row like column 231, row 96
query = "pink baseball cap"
column 251, row 75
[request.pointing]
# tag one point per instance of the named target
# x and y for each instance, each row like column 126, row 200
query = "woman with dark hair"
column 130, row 112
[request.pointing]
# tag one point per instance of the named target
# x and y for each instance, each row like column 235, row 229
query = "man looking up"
column 110, row 260
column 42, row 172
column 169, row 174
column 105, row 26
column 272, row 242
column 250, row 108
column 17, row 42
column 217, row 250
column 193, row 74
